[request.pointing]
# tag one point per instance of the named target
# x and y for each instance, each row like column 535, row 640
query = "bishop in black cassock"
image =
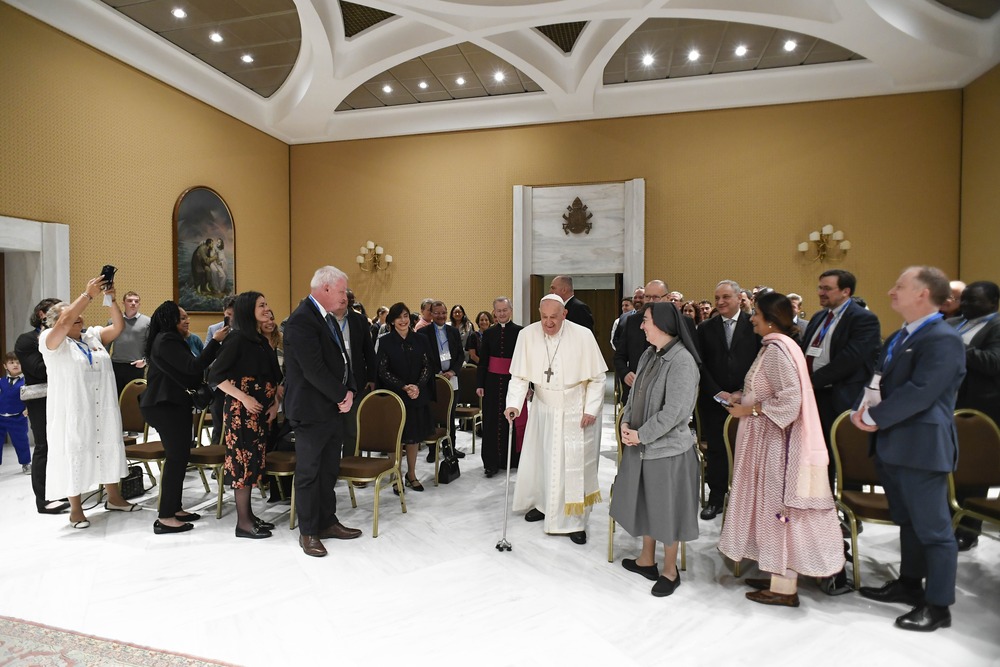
column 493, row 376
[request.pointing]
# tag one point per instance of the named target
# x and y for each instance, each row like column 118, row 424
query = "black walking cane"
column 503, row 544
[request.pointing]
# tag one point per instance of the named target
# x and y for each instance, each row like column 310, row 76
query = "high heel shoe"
column 256, row 534
column 260, row 523
column 163, row 529
column 414, row 484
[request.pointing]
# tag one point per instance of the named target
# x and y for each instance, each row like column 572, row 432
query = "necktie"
column 729, row 332
column 818, row 340
column 335, row 330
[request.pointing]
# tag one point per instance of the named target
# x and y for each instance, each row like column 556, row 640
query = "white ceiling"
column 910, row 45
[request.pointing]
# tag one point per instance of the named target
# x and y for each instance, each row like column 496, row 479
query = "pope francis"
column 557, row 475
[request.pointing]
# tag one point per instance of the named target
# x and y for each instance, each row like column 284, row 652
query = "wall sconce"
column 828, row 244
column 373, row 257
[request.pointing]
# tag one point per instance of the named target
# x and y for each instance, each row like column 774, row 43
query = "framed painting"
column 204, row 251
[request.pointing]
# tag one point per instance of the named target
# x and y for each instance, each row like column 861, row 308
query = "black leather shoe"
column 579, row 537
column 459, row 454
column 430, row 454
column 54, row 507
column 711, row 511
column 894, row 591
column 258, row 522
column 664, row 587
column 835, row 585
column 648, row 571
column 489, row 473
column 189, row 517
column 966, row 540
column 925, row 618
column 534, row 515
column 256, row 534
column 163, row 529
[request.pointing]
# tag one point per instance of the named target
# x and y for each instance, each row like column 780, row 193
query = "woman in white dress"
column 84, row 422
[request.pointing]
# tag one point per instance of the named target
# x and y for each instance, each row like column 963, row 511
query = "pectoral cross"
column 548, row 375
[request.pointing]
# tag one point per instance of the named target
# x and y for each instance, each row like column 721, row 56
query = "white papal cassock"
column 558, row 469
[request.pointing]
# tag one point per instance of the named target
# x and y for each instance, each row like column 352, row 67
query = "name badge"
column 814, row 351
column 445, row 356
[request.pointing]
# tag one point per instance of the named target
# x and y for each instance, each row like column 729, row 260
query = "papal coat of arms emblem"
column 577, row 218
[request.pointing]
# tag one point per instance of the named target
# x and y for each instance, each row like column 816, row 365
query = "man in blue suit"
column 915, row 446
column 320, row 390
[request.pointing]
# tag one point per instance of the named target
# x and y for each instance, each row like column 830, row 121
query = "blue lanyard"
column 85, row 350
column 902, row 335
column 836, row 316
column 442, row 337
column 962, row 327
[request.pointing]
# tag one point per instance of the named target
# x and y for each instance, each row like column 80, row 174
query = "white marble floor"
column 433, row 589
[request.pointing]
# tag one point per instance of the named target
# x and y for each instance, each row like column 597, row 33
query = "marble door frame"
column 36, row 265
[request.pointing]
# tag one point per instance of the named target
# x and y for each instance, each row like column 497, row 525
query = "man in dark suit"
column 728, row 348
column 319, row 392
column 841, row 344
column 357, row 336
column 576, row 311
column 447, row 359
column 979, row 327
column 632, row 341
column 915, row 446
column 33, row 367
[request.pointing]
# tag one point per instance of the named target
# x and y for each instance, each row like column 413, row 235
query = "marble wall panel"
column 602, row 250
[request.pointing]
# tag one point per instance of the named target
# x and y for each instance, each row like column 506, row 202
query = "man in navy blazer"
column 725, row 358
column 915, row 446
column 841, row 344
column 319, row 392
column 447, row 359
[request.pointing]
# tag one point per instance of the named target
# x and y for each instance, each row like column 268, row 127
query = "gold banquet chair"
column 978, row 465
column 702, row 450
column 611, row 521
column 381, row 416
column 282, row 464
column 470, row 406
column 854, row 466
column 145, row 452
column 441, row 417
column 209, row 457
column 729, row 431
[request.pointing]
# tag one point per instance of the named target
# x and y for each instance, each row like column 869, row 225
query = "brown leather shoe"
column 779, row 599
column 339, row 531
column 311, row 546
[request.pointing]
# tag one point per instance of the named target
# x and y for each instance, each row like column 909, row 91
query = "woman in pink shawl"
column 781, row 511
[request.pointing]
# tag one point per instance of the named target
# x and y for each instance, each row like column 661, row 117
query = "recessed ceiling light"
column 460, row 81
column 790, row 45
column 247, row 58
column 498, row 77
column 179, row 13
column 648, row 59
column 215, row 37
column 741, row 50
column 693, row 55
column 422, row 84
column 386, row 88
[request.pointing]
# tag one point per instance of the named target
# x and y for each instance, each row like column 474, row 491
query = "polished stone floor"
column 432, row 588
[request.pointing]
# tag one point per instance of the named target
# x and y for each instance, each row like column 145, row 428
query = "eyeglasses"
column 826, row 288
column 655, row 297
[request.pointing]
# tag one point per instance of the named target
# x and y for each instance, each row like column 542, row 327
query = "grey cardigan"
column 670, row 401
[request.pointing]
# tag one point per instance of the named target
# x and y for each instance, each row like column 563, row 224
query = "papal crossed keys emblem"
column 577, row 218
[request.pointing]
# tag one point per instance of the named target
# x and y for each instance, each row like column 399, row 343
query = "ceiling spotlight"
column 422, row 84
column 498, row 77
column 215, row 37
column 460, row 81
column 790, row 45
column 179, row 13
column 387, row 89
column 741, row 50
column 693, row 55
column 247, row 58
column 648, row 59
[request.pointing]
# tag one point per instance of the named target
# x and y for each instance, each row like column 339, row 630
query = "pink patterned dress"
column 767, row 519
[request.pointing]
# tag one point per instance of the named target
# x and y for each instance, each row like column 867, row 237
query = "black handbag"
column 201, row 396
column 448, row 470
column 131, row 484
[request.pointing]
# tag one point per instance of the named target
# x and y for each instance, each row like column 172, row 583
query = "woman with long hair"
column 247, row 371
column 485, row 321
column 167, row 406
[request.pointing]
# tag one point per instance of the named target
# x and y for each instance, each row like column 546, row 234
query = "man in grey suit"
column 915, row 446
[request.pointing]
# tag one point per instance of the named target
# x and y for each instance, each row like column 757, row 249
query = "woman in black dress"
column 246, row 370
column 404, row 368
column 166, row 405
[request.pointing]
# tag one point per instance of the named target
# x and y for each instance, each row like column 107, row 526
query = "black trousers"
column 713, row 420
column 125, row 373
column 173, row 424
column 496, row 430
column 216, row 411
column 317, row 466
column 40, row 455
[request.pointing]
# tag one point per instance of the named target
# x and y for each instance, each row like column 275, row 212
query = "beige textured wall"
column 981, row 178
column 90, row 142
column 729, row 194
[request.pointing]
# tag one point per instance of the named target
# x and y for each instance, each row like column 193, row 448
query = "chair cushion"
column 146, row 450
column 466, row 411
column 280, row 462
column 988, row 506
column 364, row 467
column 874, row 506
column 209, row 455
